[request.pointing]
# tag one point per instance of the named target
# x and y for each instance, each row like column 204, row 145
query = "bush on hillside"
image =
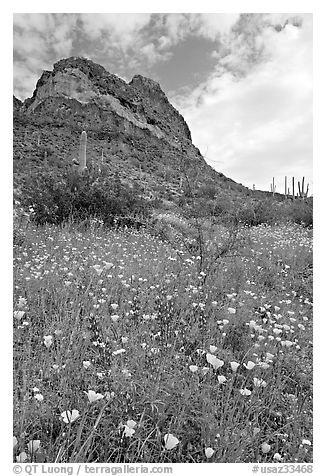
column 300, row 212
column 257, row 212
column 57, row 197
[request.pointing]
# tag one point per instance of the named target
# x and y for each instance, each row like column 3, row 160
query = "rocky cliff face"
column 132, row 127
column 141, row 102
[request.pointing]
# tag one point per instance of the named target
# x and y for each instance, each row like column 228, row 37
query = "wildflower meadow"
column 127, row 349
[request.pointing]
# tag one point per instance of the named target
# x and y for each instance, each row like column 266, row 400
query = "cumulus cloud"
column 132, row 40
column 212, row 25
column 254, row 113
column 123, row 29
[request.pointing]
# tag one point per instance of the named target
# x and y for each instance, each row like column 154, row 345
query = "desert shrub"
column 265, row 212
column 268, row 211
column 223, row 205
column 246, row 215
column 57, row 196
column 172, row 228
column 207, row 191
column 300, row 212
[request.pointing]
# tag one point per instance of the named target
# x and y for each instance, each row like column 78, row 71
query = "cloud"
column 253, row 115
column 212, row 25
column 122, row 28
column 24, row 80
column 149, row 37
column 131, row 41
column 178, row 26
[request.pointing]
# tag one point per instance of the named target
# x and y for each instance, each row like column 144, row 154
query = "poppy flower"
column 193, row 368
column 33, row 445
column 245, row 391
column 131, row 423
column 265, row 447
column 306, row 442
column 48, row 341
column 93, row 396
column 234, row 366
column 70, row 416
column 249, row 365
column 22, row 302
column 221, row 379
column 22, row 457
column 214, row 361
column 258, row 382
column 19, row 314
column 209, row 452
column 98, row 269
column 129, row 428
column 128, row 432
column 107, row 265
column 119, row 351
column 170, row 441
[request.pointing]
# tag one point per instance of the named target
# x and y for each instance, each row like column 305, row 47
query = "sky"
column 243, row 82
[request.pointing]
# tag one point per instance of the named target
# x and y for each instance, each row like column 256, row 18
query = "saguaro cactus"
column 273, row 187
column 82, row 153
column 285, row 186
column 293, row 193
column 302, row 193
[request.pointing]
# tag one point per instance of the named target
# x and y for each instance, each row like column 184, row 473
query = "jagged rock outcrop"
column 141, row 102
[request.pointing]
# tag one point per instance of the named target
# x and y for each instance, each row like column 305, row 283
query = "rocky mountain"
column 132, row 129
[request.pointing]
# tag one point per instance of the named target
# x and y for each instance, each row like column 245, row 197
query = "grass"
column 132, row 319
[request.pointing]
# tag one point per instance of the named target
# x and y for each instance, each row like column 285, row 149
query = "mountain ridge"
column 132, row 128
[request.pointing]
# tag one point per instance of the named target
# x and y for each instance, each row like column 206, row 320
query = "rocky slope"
column 131, row 127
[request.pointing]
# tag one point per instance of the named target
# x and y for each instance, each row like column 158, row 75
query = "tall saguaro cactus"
column 82, row 153
column 273, row 187
column 285, row 186
column 293, row 193
column 303, row 194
